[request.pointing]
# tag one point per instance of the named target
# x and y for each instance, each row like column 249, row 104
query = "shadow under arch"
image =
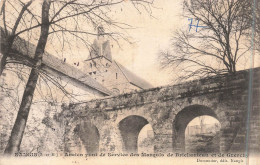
column 181, row 121
column 89, row 136
column 130, row 128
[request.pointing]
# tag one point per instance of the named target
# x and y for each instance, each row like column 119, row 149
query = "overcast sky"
column 154, row 35
column 151, row 35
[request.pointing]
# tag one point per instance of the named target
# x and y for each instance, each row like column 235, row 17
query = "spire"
column 100, row 30
column 101, row 46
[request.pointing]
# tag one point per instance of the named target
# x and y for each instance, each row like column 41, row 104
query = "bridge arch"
column 183, row 118
column 89, row 135
column 130, row 128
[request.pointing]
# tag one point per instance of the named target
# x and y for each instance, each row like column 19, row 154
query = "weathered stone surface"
column 169, row 109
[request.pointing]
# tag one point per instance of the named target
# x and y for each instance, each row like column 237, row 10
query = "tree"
column 20, row 123
column 58, row 17
column 219, row 44
column 256, row 10
column 9, row 37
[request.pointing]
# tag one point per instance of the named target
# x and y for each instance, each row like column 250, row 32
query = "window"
column 116, row 75
column 94, row 72
column 90, row 65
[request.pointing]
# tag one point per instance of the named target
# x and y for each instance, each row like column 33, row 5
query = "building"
column 60, row 83
column 108, row 72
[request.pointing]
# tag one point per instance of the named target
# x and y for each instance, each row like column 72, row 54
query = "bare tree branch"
column 217, row 47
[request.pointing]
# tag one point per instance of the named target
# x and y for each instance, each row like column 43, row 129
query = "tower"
column 99, row 59
column 106, row 71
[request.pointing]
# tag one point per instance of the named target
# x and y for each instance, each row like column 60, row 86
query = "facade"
column 108, row 72
column 102, row 77
column 59, row 83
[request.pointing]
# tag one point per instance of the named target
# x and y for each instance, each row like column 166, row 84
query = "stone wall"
column 109, row 75
column 41, row 130
column 168, row 110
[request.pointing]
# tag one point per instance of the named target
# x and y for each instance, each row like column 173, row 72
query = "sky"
column 151, row 35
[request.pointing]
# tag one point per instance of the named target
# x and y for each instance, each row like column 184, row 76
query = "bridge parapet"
column 231, row 83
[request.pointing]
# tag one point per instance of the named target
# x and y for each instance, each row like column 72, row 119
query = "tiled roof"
column 27, row 50
column 133, row 78
column 57, row 64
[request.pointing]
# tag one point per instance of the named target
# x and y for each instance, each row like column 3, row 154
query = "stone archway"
column 181, row 121
column 130, row 128
column 146, row 139
column 202, row 135
column 89, row 136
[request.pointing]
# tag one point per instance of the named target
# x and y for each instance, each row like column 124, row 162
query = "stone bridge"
column 112, row 124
